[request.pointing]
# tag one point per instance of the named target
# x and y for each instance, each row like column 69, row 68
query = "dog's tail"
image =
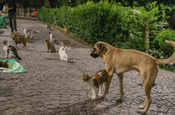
column 171, row 58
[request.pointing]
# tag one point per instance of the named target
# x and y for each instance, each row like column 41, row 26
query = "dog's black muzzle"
column 94, row 55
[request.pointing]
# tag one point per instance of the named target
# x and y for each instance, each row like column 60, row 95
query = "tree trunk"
column 24, row 12
column 146, row 39
column 48, row 3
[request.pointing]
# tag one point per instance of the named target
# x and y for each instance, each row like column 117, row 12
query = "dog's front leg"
column 121, row 87
column 107, row 84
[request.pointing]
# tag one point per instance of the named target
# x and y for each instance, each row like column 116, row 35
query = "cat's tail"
column 17, row 56
column 70, row 61
column 36, row 32
column 99, row 71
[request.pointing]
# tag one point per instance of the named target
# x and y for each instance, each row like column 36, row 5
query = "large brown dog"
column 122, row 60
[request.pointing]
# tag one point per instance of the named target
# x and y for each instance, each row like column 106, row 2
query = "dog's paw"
column 142, row 112
column 141, row 107
column 93, row 97
column 102, row 96
column 119, row 100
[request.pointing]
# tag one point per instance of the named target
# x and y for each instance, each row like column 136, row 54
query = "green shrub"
column 159, row 54
column 159, row 41
column 120, row 26
column 103, row 21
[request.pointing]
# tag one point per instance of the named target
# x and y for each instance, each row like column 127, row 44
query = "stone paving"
column 54, row 87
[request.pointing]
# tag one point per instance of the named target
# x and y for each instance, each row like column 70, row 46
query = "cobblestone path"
column 54, row 87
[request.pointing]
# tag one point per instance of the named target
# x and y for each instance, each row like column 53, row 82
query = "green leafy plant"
column 122, row 27
column 159, row 54
column 159, row 41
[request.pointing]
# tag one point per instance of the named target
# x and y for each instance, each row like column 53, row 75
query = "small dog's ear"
column 102, row 48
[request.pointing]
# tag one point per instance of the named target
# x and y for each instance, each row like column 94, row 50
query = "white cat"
column 62, row 53
column 29, row 32
column 52, row 38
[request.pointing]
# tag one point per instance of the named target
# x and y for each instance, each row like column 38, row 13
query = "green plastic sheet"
column 14, row 66
column 2, row 21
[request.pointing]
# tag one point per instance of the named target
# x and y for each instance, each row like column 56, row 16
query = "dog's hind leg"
column 121, row 87
column 148, row 100
column 148, row 79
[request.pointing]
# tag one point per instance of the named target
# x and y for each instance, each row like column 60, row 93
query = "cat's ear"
column 85, row 74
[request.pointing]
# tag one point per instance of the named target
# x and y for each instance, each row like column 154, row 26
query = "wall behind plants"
column 103, row 21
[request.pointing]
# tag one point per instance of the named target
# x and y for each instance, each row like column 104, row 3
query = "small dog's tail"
column 171, row 58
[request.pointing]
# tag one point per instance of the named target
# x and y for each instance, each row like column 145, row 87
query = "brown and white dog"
column 120, row 61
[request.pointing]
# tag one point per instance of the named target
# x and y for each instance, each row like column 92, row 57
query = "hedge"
column 110, row 22
column 120, row 26
column 103, row 21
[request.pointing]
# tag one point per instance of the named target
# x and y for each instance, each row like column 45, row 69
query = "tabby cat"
column 65, row 42
column 18, row 39
column 96, row 82
column 49, row 46
column 66, row 29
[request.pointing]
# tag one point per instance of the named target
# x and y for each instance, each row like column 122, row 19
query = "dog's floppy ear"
column 102, row 48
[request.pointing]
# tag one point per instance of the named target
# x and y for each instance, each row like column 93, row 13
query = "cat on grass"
column 96, row 82
column 10, row 51
column 66, row 29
